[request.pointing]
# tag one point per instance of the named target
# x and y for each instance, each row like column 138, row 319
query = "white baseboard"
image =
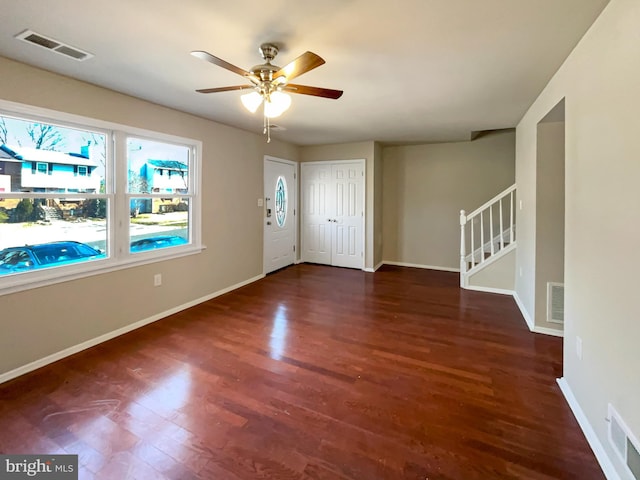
column 417, row 265
column 5, row 377
column 374, row 269
column 548, row 331
column 501, row 291
column 594, row 442
column 523, row 311
column 530, row 323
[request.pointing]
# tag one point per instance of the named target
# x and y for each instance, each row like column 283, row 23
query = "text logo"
column 50, row 467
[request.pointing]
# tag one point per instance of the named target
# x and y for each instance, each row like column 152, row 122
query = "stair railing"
column 487, row 230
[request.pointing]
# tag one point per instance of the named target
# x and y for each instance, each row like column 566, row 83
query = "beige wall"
column 499, row 274
column 40, row 322
column 378, row 205
column 353, row 151
column 599, row 81
column 549, row 215
column 426, row 186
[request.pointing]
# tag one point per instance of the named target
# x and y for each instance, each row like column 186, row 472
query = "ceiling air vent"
column 54, row 45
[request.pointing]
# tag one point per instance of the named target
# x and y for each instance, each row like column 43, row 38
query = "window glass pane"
column 157, row 167
column 158, row 223
column 281, row 201
column 41, row 233
column 42, row 157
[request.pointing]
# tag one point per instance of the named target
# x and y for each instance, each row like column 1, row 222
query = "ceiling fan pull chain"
column 264, row 123
column 266, row 126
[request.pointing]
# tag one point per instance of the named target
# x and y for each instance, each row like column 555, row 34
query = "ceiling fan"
column 270, row 82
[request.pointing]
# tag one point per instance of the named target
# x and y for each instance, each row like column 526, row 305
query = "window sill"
column 28, row 281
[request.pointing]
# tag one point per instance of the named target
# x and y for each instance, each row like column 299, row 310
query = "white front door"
column 333, row 213
column 279, row 214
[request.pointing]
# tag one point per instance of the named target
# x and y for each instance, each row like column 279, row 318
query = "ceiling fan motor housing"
column 265, row 71
column 268, row 51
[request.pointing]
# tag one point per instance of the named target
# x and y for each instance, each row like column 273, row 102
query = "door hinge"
column 294, row 248
column 294, row 176
column 294, row 211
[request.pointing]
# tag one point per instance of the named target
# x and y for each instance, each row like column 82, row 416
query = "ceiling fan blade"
column 225, row 89
column 304, row 63
column 315, row 91
column 207, row 57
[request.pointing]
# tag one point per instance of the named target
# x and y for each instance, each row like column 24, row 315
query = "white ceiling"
column 412, row 70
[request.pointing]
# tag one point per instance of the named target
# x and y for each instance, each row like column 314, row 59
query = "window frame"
column 118, row 212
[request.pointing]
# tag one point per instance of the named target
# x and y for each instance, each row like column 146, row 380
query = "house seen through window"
column 60, row 206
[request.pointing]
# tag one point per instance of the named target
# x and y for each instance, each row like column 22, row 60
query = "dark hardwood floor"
column 312, row 373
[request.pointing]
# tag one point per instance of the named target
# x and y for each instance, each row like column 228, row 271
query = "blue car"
column 52, row 254
column 156, row 242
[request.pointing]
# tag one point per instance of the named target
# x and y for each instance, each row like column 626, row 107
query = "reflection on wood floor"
column 312, row 373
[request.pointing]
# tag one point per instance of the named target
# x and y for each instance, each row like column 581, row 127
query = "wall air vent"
column 34, row 38
column 624, row 443
column 555, row 302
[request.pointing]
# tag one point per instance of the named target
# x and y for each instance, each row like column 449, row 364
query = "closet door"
column 348, row 217
column 333, row 213
column 317, row 191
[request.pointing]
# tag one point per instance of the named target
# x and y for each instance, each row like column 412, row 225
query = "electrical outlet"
column 520, row 204
column 521, row 271
column 157, row 280
column 579, row 348
column 260, row 202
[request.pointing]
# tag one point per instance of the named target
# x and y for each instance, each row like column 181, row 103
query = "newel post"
column 463, row 243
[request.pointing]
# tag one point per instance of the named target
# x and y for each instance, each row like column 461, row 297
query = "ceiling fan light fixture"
column 278, row 103
column 251, row 101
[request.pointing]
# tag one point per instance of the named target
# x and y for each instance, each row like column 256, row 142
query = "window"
column 281, row 201
column 154, row 214
column 65, row 214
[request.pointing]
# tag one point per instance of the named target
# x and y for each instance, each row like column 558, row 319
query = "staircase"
column 50, row 213
column 487, row 234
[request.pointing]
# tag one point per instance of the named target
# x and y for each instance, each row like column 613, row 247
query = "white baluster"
column 501, row 228
column 491, row 236
column 511, row 232
column 481, row 237
column 463, row 263
column 473, row 249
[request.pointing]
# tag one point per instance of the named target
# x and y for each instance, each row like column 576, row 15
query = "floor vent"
column 624, row 443
column 555, row 302
column 34, row 38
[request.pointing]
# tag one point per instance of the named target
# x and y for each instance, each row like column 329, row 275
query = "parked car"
column 29, row 257
column 155, row 242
